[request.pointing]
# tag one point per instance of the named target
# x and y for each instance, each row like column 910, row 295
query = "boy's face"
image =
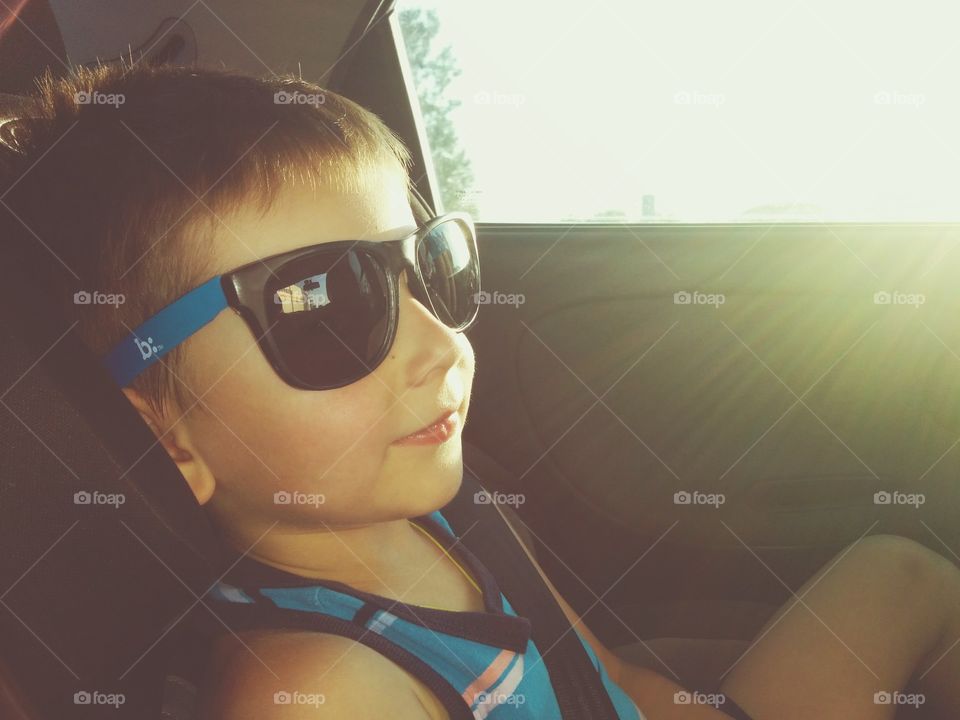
column 261, row 436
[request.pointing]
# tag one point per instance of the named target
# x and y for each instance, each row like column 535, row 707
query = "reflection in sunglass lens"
column 450, row 271
column 331, row 317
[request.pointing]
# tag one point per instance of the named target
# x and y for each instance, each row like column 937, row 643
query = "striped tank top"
column 487, row 660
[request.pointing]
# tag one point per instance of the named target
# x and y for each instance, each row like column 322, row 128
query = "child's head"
column 145, row 182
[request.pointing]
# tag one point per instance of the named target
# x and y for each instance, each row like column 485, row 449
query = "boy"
column 167, row 177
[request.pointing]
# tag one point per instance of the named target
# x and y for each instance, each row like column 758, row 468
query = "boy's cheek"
column 294, row 440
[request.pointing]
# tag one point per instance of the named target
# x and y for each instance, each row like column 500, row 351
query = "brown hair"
column 107, row 171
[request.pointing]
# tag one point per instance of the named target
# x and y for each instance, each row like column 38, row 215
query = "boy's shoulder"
column 300, row 675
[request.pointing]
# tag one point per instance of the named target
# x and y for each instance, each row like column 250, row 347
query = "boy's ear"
column 176, row 441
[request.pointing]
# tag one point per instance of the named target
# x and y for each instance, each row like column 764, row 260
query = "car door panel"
column 791, row 399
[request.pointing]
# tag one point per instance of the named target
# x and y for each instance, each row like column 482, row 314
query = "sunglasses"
column 325, row 315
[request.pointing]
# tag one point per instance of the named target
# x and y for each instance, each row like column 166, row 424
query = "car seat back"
column 103, row 548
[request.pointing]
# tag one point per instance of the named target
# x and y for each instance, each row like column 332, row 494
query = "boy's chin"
column 431, row 491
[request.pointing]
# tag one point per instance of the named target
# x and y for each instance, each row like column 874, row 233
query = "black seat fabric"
column 700, row 663
column 88, row 589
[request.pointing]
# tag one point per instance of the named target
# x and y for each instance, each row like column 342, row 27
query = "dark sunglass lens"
column 330, row 317
column 450, row 272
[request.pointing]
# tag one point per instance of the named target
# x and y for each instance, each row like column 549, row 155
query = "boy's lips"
column 440, row 429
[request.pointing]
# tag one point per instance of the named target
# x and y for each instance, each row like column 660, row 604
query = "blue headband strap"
column 160, row 334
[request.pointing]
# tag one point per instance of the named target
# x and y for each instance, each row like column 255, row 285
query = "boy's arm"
column 270, row 675
column 651, row 692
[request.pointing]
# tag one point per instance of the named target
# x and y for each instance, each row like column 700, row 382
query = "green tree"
column 433, row 71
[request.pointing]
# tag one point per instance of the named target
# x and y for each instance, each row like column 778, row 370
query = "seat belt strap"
column 577, row 684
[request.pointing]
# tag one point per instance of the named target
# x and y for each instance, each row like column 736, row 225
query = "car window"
column 753, row 111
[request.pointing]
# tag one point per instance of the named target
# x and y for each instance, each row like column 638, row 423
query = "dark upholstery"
column 699, row 663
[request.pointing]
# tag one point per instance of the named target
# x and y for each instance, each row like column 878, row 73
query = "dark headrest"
column 90, row 591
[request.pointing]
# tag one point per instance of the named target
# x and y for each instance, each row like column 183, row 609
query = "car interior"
column 602, row 399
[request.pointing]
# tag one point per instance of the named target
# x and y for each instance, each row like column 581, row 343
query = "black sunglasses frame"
column 244, row 286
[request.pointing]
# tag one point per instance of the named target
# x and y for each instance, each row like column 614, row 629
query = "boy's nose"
column 423, row 341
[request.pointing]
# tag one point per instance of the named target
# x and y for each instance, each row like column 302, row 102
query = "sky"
column 724, row 112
